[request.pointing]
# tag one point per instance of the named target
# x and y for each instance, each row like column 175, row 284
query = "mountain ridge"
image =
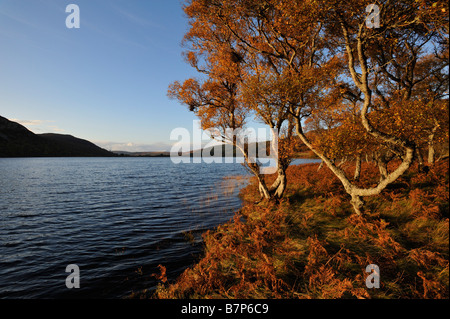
column 17, row 141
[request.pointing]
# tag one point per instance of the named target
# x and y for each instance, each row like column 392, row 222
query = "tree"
column 365, row 52
column 218, row 100
column 318, row 65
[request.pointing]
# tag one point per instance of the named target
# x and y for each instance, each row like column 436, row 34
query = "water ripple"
column 117, row 218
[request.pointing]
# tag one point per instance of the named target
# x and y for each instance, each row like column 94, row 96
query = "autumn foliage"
column 312, row 246
column 370, row 102
column 315, row 72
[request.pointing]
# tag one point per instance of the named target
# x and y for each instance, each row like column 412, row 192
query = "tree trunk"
column 419, row 159
column 357, row 168
column 382, row 167
column 431, row 154
column 361, row 80
column 262, row 187
column 354, row 191
column 320, row 166
column 382, row 159
column 431, row 142
column 343, row 160
column 431, row 151
column 357, row 204
column 255, row 169
column 279, row 185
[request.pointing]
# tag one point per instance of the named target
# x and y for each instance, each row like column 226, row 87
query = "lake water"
column 117, row 219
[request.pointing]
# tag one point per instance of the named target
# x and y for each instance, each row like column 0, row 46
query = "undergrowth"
column 312, row 245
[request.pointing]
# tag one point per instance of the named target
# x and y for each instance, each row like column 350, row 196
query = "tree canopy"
column 317, row 73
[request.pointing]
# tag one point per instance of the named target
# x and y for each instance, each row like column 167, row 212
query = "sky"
column 105, row 81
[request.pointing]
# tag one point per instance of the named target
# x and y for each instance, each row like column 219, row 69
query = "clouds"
column 40, row 126
column 28, row 122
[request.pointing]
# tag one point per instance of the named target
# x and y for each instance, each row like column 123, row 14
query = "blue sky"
column 106, row 81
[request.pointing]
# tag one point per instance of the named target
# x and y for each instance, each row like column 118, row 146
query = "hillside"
column 17, row 141
column 224, row 150
column 262, row 148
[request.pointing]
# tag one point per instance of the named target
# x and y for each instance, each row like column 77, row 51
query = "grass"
column 312, row 245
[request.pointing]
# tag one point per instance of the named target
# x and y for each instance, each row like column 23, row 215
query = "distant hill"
column 224, row 150
column 142, row 154
column 261, row 149
column 213, row 151
column 17, row 141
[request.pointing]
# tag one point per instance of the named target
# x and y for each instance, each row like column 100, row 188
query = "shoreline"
column 274, row 245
